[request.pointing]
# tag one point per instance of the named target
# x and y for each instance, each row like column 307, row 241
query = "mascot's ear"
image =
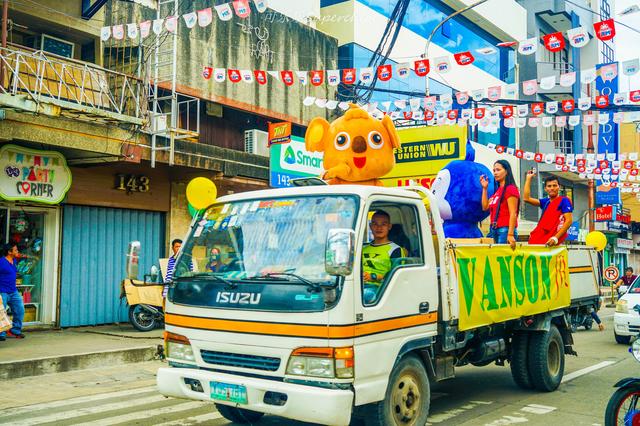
column 314, row 137
column 387, row 123
column 471, row 153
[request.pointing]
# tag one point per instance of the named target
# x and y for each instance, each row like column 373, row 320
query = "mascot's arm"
column 341, row 171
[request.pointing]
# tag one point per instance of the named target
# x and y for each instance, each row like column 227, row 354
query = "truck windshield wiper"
column 300, row 280
column 203, row 276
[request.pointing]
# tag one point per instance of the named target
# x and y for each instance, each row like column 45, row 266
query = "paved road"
column 477, row 396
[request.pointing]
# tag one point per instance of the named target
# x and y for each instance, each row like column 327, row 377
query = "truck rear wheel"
column 238, row 415
column 546, row 359
column 407, row 399
column 519, row 360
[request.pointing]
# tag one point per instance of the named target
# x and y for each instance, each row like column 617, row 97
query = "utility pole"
column 437, row 27
column 5, row 18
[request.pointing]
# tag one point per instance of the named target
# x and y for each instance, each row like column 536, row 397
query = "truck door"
column 397, row 296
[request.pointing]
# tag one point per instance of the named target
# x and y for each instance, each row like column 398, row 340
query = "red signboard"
column 604, row 213
column 279, row 133
column 624, row 218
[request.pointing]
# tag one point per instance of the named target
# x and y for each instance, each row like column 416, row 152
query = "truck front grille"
column 240, row 360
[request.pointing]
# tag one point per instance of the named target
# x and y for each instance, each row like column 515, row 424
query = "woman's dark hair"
column 508, row 179
column 6, row 248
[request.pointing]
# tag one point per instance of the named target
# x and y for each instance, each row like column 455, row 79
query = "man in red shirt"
column 556, row 212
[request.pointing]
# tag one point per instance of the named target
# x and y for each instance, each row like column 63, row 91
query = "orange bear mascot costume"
column 358, row 149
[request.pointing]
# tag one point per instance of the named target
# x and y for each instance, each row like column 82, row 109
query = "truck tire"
column 546, row 359
column 238, row 415
column 519, row 360
column 623, row 340
column 407, row 399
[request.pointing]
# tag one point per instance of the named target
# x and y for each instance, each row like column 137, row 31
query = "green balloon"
column 192, row 210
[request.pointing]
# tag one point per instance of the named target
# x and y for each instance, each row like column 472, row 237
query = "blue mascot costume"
column 459, row 194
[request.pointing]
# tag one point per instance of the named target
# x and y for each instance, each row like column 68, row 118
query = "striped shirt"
column 171, row 264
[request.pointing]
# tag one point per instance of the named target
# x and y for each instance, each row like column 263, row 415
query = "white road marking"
column 586, row 370
column 64, row 415
column 449, row 414
column 537, row 409
column 55, row 404
column 507, row 420
column 195, row 419
column 126, row 418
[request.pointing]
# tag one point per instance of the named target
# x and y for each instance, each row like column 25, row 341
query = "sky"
column 627, row 41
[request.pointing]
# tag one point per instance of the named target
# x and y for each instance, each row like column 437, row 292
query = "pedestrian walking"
column 11, row 297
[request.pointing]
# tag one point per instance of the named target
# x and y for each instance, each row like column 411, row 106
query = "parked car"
column 626, row 321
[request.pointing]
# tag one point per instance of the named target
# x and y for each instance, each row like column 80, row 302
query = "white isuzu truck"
column 266, row 311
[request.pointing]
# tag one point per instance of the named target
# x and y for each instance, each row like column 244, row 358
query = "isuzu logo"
column 231, row 297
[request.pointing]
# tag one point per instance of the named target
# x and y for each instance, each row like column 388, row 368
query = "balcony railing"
column 83, row 88
column 547, row 69
column 562, row 146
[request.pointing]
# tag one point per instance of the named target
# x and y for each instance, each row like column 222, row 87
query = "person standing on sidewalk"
column 9, row 291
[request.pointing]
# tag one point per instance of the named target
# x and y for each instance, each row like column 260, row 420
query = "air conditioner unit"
column 256, row 142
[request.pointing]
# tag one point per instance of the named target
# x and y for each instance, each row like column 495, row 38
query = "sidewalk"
column 45, row 352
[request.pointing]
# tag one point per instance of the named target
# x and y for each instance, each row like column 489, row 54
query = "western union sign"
column 428, row 150
column 500, row 284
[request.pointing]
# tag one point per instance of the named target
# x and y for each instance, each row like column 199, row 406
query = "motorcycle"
column 624, row 405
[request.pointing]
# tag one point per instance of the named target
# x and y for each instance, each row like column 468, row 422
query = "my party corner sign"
column 33, row 175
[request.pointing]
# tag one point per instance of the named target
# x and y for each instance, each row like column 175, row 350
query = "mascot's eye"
column 343, row 141
column 375, row 140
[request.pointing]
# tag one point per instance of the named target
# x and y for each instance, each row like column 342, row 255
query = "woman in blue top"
column 9, row 291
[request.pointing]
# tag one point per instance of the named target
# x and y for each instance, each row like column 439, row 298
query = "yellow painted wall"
column 337, row 21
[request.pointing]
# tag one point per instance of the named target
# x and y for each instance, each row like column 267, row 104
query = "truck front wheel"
column 546, row 359
column 238, row 415
column 407, row 398
column 519, row 357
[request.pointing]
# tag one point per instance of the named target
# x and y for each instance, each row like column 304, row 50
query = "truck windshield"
column 262, row 254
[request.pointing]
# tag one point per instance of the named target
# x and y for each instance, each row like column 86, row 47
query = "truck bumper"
column 304, row 403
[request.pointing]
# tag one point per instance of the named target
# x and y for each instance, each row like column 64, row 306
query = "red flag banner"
column 234, row 75
column 568, row 105
column 602, row 101
column 605, row 30
column 287, row 77
column 317, row 77
column 260, row 76
column 464, row 58
column 349, row 75
column 384, row 72
column 537, row 108
column 421, row 67
column 554, row 42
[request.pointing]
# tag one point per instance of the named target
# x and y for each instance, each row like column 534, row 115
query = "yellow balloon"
column 597, row 240
column 201, row 193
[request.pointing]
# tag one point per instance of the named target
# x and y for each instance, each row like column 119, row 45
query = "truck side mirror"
column 338, row 254
column 133, row 260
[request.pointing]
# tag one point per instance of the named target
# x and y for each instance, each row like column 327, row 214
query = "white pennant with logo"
column 224, row 11
column 366, row 75
column 105, row 33
column 551, row 107
column 171, row 23
column 261, row 5
column 446, row 100
column 528, row 46
column 477, row 95
column 157, row 26
column 567, row 79
column 588, row 76
column 530, row 87
column 561, row 120
column 190, row 19
column 584, row 103
column 574, row 120
column 603, row 118
column 247, row 76
column 303, row 77
column 219, row 75
column 132, row 31
column 631, row 66
column 145, row 29
column 548, row 83
column 578, row 37
column 511, row 91
column 619, row 98
column 205, row 17
column 523, row 110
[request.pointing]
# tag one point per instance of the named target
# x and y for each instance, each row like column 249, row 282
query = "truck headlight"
column 622, row 307
column 178, row 347
column 322, row 362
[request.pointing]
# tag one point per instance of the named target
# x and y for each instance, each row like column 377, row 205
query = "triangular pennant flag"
column 462, row 98
column 547, row 122
column 578, row 37
column 528, row 46
column 568, row 105
column 247, row 76
column 224, row 11
column 343, row 105
column 421, row 67
column 400, row 103
column 609, row 71
column 317, row 77
column 145, row 29
column 132, row 31
column 521, row 122
column 511, row 91
column 205, row 17
column 551, row 107
column 548, row 83
column 384, row 72
column 414, row 103
column 207, row 72
column 589, row 119
column 105, row 33
column 349, row 75
column 494, row 93
column 603, row 118
column 605, row 30
column 537, row 108
column 631, row 66
column 588, row 76
column 333, row 77
column 523, row 110
column 274, row 74
column 567, row 79
column 430, row 103
column 509, row 123
column 260, row 76
column 477, row 95
column 507, row 111
column 478, row 113
column 118, row 32
column 617, row 117
column 219, row 75
column 584, row 103
column 157, row 26
column 366, row 75
column 464, row 58
column 242, row 8
column 234, row 75
column 331, row 104
column 530, row 87
column 171, row 23
column 446, row 100
column 507, row 44
column 286, row 75
column 303, row 78
column 261, row 5
column 386, row 105
column 403, row 70
column 321, row 102
column 442, row 64
column 190, row 19
column 554, row 42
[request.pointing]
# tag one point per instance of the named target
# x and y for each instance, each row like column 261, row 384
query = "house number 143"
column 132, row 183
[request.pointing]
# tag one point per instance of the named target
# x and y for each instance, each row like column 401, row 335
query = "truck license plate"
column 228, row 392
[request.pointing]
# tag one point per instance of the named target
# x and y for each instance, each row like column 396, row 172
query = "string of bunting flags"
column 613, row 170
column 203, row 18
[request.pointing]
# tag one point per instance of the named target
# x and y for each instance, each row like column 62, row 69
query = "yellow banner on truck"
column 423, row 152
column 500, row 284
